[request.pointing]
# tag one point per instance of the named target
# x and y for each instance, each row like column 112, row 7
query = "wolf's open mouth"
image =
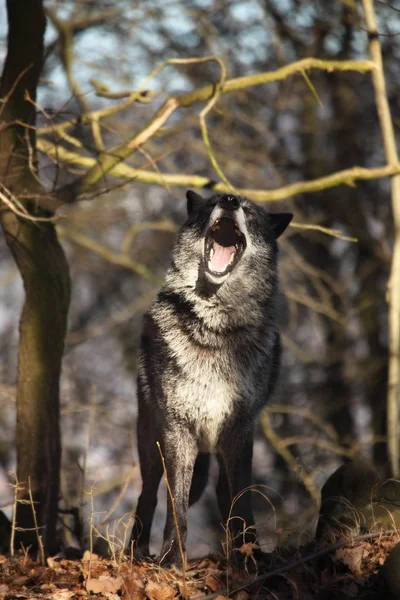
column 224, row 245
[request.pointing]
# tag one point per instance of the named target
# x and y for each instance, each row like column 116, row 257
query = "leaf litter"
column 348, row 572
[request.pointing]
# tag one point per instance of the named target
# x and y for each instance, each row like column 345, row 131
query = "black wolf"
column 209, row 360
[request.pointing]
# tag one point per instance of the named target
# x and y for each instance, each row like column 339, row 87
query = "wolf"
column 209, row 360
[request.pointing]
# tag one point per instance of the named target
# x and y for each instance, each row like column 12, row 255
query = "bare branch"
column 305, row 413
column 306, row 478
column 332, row 232
column 345, row 177
column 103, row 91
column 108, row 160
column 106, row 253
column 18, row 208
column 306, row 64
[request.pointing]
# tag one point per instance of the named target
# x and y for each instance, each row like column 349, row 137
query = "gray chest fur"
column 205, row 397
column 203, row 387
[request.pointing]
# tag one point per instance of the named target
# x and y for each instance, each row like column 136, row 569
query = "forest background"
column 104, row 84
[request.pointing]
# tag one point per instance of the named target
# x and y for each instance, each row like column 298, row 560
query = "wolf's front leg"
column 151, row 470
column 235, row 457
column 180, row 450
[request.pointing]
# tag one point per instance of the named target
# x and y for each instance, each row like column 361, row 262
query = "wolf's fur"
column 209, row 361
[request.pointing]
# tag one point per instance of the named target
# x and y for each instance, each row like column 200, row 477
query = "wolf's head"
column 226, row 242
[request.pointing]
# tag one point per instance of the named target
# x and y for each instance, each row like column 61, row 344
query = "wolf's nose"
column 229, row 203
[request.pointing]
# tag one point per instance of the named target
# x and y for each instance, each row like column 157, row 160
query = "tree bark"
column 45, row 273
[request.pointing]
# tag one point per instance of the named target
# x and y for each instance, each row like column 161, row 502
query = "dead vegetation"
column 346, row 569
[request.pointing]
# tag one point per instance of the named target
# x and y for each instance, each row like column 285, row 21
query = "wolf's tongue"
column 221, row 257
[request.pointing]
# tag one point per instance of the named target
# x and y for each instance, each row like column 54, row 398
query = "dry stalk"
column 39, row 537
column 92, row 410
column 91, row 527
column 16, row 488
column 257, row 489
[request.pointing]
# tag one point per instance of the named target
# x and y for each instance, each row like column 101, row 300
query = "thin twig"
column 39, row 537
column 106, row 253
column 117, row 499
column 332, row 232
column 4, row 100
column 18, row 208
column 17, row 488
column 305, row 413
column 312, row 88
column 306, row 478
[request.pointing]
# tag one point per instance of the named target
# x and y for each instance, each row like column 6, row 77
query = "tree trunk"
column 44, row 270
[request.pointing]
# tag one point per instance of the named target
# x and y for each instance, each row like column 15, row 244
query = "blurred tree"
column 40, row 259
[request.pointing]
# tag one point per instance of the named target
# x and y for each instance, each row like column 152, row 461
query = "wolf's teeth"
column 211, row 252
column 232, row 258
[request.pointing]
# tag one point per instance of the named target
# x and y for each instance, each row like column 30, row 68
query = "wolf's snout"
column 229, row 203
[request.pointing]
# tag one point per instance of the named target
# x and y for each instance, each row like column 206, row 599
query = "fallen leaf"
column 352, row 558
column 63, row 594
column 159, row 591
column 133, row 582
column 133, row 588
column 90, row 557
column 248, row 549
column 104, row 584
column 20, row 581
column 194, row 594
column 213, row 583
column 49, row 587
column 52, row 563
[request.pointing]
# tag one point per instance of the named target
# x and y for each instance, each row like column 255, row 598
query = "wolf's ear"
column 194, row 202
column 279, row 222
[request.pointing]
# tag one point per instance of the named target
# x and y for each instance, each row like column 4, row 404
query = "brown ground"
column 347, row 572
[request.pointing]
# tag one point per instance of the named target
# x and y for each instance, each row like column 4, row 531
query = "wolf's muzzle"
column 229, row 203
